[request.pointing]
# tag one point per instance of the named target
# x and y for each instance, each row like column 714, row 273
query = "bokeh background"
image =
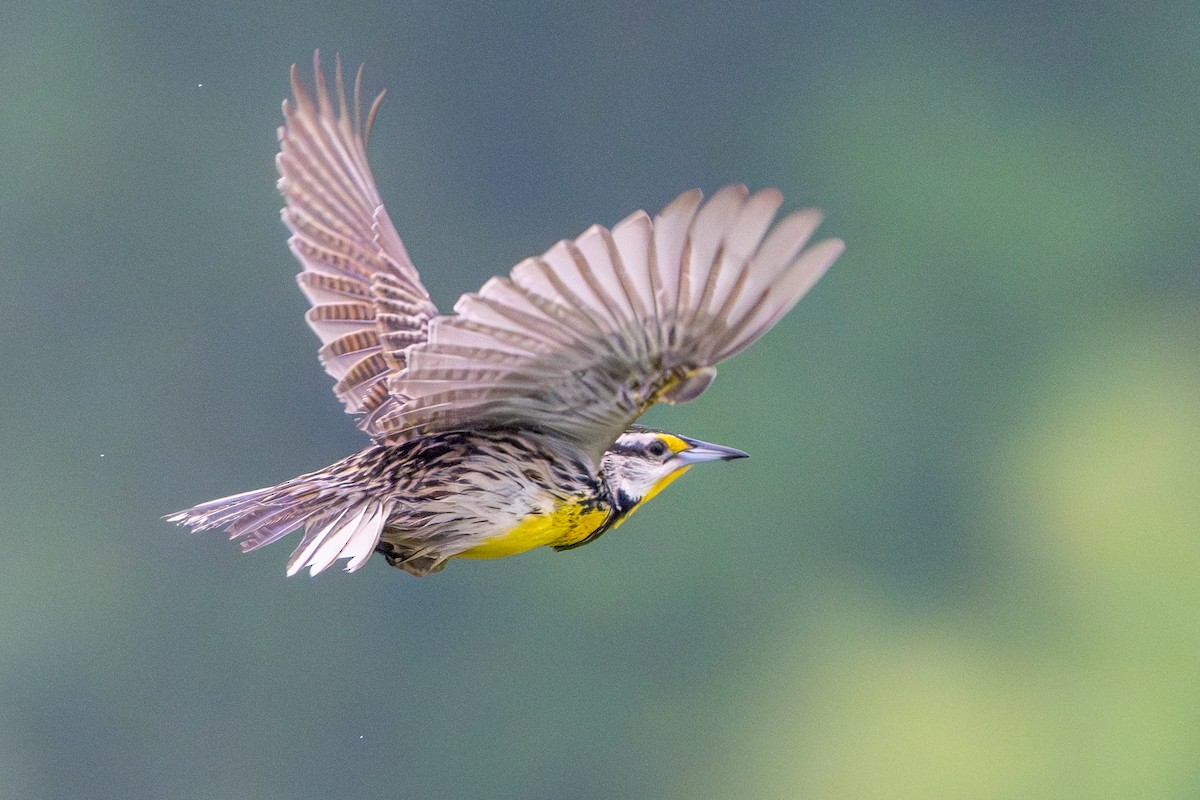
column 964, row 561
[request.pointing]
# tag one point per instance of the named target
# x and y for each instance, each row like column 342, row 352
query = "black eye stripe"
column 647, row 446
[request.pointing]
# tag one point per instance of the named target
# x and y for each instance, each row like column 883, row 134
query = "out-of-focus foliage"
column 965, row 558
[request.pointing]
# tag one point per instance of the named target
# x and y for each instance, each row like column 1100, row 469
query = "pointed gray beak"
column 706, row 451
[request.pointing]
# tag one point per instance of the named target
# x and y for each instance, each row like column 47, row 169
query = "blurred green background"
column 964, row 561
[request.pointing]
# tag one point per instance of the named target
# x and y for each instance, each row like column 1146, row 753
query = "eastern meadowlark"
column 508, row 424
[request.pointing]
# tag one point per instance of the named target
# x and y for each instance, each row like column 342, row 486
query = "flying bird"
column 510, row 423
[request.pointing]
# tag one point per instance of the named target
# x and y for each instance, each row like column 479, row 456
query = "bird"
column 510, row 423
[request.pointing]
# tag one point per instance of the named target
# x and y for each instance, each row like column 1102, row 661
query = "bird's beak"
column 699, row 451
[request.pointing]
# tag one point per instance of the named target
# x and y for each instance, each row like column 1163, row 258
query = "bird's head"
column 642, row 462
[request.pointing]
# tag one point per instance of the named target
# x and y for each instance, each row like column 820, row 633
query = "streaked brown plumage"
column 510, row 423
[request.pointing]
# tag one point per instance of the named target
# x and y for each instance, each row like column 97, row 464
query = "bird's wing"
column 583, row 340
column 368, row 304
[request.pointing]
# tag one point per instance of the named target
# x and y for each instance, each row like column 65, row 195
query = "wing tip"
column 690, row 198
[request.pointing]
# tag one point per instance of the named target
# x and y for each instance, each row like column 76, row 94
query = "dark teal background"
column 963, row 562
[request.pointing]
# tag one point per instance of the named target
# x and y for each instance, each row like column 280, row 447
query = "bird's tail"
column 337, row 523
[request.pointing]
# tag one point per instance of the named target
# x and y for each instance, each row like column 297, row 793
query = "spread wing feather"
column 583, row 340
column 368, row 304
column 578, row 342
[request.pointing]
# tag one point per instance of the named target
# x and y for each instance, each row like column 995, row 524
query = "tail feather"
column 219, row 513
column 322, row 548
column 260, row 532
column 337, row 525
column 318, row 533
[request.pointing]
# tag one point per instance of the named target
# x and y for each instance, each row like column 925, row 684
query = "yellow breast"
column 568, row 524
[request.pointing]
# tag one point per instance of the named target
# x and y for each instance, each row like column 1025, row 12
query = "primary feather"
column 368, row 303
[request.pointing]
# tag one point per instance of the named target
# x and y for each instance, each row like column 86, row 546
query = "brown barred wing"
column 368, row 303
column 582, row 341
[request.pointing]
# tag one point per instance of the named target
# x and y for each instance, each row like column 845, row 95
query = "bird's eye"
column 657, row 449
